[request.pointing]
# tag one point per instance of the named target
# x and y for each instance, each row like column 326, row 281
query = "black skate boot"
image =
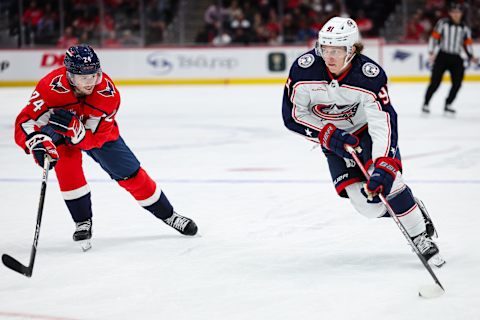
column 83, row 234
column 431, row 230
column 449, row 110
column 428, row 249
column 182, row 224
column 425, row 109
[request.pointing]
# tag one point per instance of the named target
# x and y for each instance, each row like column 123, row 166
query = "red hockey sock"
column 148, row 194
column 141, row 187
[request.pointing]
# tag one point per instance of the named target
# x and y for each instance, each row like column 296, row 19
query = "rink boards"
column 209, row 65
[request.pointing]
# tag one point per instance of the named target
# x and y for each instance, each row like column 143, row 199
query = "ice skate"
column 449, row 111
column 431, row 230
column 83, row 234
column 425, row 109
column 182, row 224
column 428, row 249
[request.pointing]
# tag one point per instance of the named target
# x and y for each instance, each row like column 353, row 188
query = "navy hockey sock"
column 403, row 201
column 81, row 208
column 162, row 208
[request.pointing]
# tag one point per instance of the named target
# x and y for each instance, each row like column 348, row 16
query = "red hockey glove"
column 334, row 139
column 67, row 124
column 39, row 145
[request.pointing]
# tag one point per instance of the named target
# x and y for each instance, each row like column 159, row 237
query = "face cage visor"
column 85, row 80
column 319, row 50
column 335, row 52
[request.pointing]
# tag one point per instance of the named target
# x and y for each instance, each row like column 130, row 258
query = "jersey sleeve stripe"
column 389, row 134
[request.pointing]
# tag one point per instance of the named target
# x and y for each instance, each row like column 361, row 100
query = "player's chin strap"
column 347, row 62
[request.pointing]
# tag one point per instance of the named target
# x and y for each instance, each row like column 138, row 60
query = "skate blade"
column 437, row 260
column 85, row 245
column 449, row 114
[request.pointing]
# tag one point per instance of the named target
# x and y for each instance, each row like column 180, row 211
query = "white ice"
column 275, row 241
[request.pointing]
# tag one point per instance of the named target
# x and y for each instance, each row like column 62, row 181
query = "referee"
column 448, row 38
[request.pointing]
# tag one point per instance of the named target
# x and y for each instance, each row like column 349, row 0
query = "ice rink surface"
column 275, row 242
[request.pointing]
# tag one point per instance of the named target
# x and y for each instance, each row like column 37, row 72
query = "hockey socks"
column 81, row 208
column 403, row 203
column 148, row 195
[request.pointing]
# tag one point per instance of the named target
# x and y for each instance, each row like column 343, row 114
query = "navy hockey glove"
column 334, row 139
column 382, row 178
column 40, row 145
column 68, row 125
column 57, row 138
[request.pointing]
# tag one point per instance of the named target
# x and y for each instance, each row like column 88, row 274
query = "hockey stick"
column 425, row 291
column 12, row 263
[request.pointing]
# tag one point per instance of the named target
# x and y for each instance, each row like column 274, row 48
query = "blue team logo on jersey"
column 306, row 60
column 370, row 70
column 109, row 90
column 57, row 85
column 335, row 112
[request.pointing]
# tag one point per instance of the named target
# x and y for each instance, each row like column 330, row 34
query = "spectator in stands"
column 260, row 32
column 365, row 24
column 31, row 17
column 264, row 8
column 415, row 31
column 68, row 39
column 85, row 37
column 240, row 28
column 475, row 18
column 222, row 39
column 206, row 35
column 85, row 23
column 290, row 29
column 273, row 28
column 47, row 26
column 155, row 23
column 215, row 14
column 128, row 39
column 234, row 10
column 293, row 25
column 305, row 33
column 111, row 40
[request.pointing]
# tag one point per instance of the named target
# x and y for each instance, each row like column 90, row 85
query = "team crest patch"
column 109, row 90
column 334, row 112
column 370, row 70
column 57, row 85
column 306, row 60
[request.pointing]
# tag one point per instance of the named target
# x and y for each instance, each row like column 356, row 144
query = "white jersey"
column 356, row 101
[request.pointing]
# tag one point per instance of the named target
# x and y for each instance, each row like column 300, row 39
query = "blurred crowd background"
column 146, row 23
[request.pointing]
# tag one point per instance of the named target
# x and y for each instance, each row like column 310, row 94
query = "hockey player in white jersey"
column 335, row 96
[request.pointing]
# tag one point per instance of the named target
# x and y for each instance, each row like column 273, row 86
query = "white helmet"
column 338, row 31
column 341, row 32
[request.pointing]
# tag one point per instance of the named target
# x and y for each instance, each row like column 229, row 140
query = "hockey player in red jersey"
column 337, row 96
column 72, row 111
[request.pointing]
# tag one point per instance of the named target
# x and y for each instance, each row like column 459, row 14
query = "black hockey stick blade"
column 13, row 264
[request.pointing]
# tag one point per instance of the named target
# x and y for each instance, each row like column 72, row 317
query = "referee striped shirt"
column 451, row 38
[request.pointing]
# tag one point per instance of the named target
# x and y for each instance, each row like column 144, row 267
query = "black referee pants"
column 443, row 62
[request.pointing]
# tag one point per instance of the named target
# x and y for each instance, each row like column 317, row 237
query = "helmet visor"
column 336, row 52
column 85, row 80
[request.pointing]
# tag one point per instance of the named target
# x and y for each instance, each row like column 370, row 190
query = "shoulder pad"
column 370, row 70
column 306, row 60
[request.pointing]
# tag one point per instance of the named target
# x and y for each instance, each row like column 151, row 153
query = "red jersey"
column 96, row 111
